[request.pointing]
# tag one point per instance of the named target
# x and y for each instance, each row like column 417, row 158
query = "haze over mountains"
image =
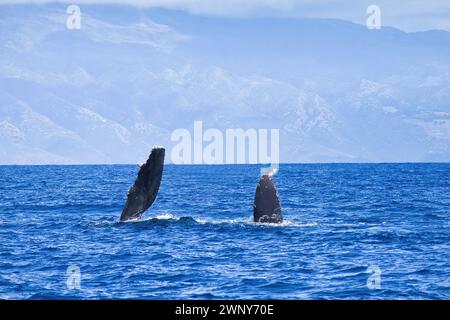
column 106, row 93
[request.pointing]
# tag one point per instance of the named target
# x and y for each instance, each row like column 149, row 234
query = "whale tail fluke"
column 266, row 207
column 145, row 189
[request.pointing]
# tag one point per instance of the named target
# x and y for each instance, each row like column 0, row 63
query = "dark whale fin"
column 266, row 207
column 145, row 189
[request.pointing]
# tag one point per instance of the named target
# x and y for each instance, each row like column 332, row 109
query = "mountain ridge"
column 106, row 93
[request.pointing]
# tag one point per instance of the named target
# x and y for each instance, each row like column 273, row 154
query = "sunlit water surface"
column 198, row 240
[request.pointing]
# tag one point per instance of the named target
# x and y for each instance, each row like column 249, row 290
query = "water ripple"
column 199, row 242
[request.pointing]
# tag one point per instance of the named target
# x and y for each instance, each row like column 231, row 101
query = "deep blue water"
column 198, row 241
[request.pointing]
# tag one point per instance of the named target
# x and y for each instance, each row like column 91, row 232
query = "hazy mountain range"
column 106, row 93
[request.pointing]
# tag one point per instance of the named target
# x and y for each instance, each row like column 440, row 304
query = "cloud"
column 409, row 15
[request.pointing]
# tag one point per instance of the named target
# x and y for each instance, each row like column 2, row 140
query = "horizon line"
column 220, row 164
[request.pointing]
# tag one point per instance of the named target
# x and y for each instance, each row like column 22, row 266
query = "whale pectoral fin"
column 145, row 189
column 266, row 207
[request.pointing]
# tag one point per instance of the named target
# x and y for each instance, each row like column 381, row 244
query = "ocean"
column 351, row 231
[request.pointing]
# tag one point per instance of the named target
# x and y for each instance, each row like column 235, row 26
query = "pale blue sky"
column 408, row 15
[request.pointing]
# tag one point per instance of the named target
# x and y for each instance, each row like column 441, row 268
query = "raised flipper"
column 266, row 207
column 145, row 189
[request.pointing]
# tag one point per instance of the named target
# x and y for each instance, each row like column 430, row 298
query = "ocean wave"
column 168, row 218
